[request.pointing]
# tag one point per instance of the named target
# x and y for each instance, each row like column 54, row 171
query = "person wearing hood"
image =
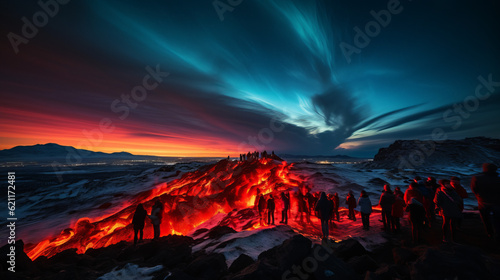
column 324, row 209
column 365, row 208
column 413, row 192
column 386, row 201
column 450, row 206
column 486, row 188
column 417, row 217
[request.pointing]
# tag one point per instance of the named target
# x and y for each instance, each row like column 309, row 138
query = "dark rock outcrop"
column 411, row 154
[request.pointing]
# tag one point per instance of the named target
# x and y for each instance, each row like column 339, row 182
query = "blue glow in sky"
column 273, row 59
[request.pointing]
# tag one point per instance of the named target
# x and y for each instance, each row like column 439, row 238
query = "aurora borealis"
column 269, row 74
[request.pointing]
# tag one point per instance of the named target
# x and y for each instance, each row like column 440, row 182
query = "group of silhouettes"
column 255, row 155
column 425, row 199
column 422, row 200
column 140, row 217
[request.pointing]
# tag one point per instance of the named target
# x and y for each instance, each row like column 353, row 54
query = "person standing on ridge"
column 156, row 216
column 271, row 206
column 138, row 222
column 286, row 206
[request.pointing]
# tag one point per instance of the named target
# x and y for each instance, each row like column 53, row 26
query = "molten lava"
column 227, row 187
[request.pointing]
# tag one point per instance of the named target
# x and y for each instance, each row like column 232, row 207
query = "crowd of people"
column 422, row 200
column 255, row 155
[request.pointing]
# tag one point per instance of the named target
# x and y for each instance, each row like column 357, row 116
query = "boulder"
column 349, row 248
column 261, row 270
column 291, row 252
column 207, row 267
column 242, row 262
column 454, row 261
column 219, row 231
column 23, row 262
column 362, row 264
column 329, row 266
column 403, row 255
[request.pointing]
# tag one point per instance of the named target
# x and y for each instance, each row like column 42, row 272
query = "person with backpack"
column 450, row 206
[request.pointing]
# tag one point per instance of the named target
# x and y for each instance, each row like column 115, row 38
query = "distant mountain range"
column 51, row 151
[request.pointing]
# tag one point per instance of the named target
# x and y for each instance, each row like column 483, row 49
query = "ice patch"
column 131, row 272
column 252, row 242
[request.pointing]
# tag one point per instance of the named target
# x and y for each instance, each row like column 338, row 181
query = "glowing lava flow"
column 188, row 202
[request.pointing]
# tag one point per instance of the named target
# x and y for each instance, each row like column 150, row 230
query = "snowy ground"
column 46, row 207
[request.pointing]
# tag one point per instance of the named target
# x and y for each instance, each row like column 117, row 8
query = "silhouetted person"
column 309, row 204
column 324, row 209
column 398, row 208
column 138, row 222
column 256, row 201
column 336, row 204
column 449, row 204
column 365, row 209
column 262, row 205
column 455, row 183
column 397, row 191
column 286, row 205
column 427, row 199
column 351, row 204
column 432, row 186
column 156, row 216
column 417, row 217
column 413, row 192
column 271, row 206
column 386, row 201
column 486, row 187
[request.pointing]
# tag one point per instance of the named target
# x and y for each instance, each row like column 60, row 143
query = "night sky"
column 232, row 76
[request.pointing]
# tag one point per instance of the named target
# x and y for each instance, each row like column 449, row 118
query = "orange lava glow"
column 188, row 202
